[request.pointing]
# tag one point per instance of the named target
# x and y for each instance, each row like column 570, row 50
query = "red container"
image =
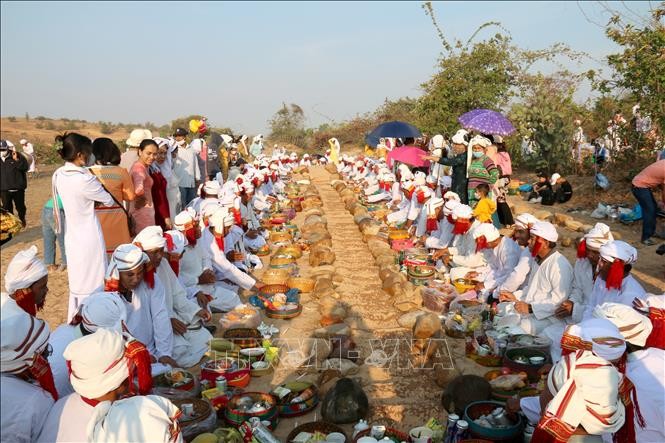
column 239, row 377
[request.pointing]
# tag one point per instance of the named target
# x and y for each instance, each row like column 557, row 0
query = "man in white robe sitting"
column 462, row 251
column 188, row 319
column 103, row 366
column 23, row 352
column 99, row 310
column 614, row 282
column 130, row 274
column 518, row 276
column 443, row 235
column 500, row 253
column 550, row 279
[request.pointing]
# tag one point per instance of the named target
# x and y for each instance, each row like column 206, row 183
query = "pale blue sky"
column 237, row 62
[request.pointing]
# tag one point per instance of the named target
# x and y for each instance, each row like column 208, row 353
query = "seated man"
column 562, row 189
column 26, row 280
column 99, row 310
column 129, row 273
column 443, row 235
column 103, row 365
column 401, row 204
column 26, row 382
column 462, row 252
column 191, row 338
column 614, row 282
column 550, row 279
column 518, row 276
column 500, row 253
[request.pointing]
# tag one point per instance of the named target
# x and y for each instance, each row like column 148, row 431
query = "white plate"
column 253, row 352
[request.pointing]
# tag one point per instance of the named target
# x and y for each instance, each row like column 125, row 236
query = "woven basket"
column 275, row 276
column 291, row 251
column 398, row 234
column 281, row 260
column 280, row 236
column 270, row 290
column 244, row 337
column 236, row 416
column 302, row 283
column 316, row 426
column 284, row 314
column 288, row 410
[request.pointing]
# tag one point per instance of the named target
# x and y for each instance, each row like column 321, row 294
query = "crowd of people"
column 156, row 240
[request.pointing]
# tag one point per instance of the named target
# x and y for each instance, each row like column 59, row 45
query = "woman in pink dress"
column 142, row 209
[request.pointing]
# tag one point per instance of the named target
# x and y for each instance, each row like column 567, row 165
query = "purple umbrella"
column 487, row 121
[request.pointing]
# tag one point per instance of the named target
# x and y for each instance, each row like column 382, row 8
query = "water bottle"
column 451, row 428
column 462, row 431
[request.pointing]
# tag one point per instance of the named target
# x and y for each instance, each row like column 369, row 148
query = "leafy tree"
column 288, row 125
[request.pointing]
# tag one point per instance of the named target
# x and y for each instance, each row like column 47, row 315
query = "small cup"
column 378, row 431
column 421, row 434
column 537, row 360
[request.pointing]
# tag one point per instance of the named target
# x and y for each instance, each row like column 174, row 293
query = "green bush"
column 11, row 119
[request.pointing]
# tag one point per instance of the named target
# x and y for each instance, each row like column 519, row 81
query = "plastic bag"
column 602, row 181
column 600, row 212
column 634, row 215
column 438, row 301
column 208, row 424
column 242, row 316
column 526, row 187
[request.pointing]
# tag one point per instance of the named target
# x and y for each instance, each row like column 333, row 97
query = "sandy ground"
column 401, row 397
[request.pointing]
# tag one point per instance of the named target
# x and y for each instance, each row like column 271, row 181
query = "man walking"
column 13, row 180
column 186, row 167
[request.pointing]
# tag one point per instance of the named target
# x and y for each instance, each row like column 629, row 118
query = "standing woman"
column 142, row 208
column 159, row 185
column 165, row 158
column 480, row 168
column 79, row 191
column 116, row 180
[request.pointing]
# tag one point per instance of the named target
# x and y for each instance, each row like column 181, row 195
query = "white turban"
column 142, row 418
column 208, row 209
column 258, row 138
column 24, row 269
column 419, row 178
column 359, row 164
column 450, row 195
column 459, row 139
column 211, row 187
column 462, row 211
column 406, row 184
column 590, row 332
column 598, row 236
column 634, row 326
column 125, row 258
column 151, row 237
column 435, row 202
column 618, row 249
column 545, row 230
column 175, row 242
column 101, row 310
column 486, row 230
column 98, row 363
column 437, row 141
column 525, row 221
column 21, row 337
column 184, row 220
column 227, row 200
column 389, row 177
column 450, row 206
column 221, row 219
column 430, row 179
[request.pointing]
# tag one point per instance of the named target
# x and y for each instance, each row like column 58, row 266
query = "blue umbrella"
column 487, row 121
column 394, row 129
column 371, row 140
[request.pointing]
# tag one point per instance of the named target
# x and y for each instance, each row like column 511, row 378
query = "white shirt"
column 224, row 269
column 518, row 276
column 646, row 369
column 148, row 318
column 580, row 293
column 186, row 167
column 23, row 409
column 463, row 249
column 67, row 420
column 630, row 289
column 501, row 261
column 442, row 237
column 59, row 340
column 175, row 296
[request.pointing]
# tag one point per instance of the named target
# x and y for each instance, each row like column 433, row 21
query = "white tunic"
column 500, row 261
column 59, row 340
column 646, row 369
column 189, row 347
column 79, row 190
column 67, row 420
column 23, row 409
column 549, row 285
column 580, row 293
column 148, row 319
column 224, row 269
column 463, row 249
column 442, row 237
column 630, row 289
column 518, row 275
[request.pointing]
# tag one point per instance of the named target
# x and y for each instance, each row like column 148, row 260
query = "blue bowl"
column 478, row 408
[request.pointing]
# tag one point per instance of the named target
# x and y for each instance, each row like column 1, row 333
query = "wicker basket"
column 273, row 276
column 398, row 234
column 244, row 337
column 304, row 284
column 280, row 236
column 281, row 260
column 270, row 290
column 316, row 426
column 286, row 409
column 289, row 251
column 284, row 314
column 236, row 416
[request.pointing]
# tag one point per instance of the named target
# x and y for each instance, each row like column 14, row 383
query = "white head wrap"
column 406, row 184
column 102, row 310
column 556, row 176
column 389, row 177
column 618, row 249
column 598, row 236
column 419, row 178
column 486, row 230
column 593, row 333
column 450, row 206
column 142, row 418
column 634, row 326
column 178, row 240
column 183, row 219
column 478, row 140
column 433, row 204
column 459, row 139
column 125, row 258
column 220, row 219
column 462, row 211
column 21, row 337
column 430, row 179
column 150, row 237
column 450, row 195
column 212, row 187
column 525, row 221
column 24, row 270
column 545, row 230
column 437, row 141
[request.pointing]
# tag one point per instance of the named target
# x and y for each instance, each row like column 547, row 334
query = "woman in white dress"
column 165, row 164
column 79, row 191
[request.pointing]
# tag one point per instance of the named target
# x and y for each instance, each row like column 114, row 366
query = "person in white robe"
column 500, row 253
column 462, row 250
column 172, row 182
column 614, row 282
column 148, row 418
column 431, row 216
column 79, row 190
column 416, row 219
column 26, row 280
column 442, row 237
column 518, row 276
column 191, row 338
column 550, row 279
column 403, row 205
column 102, row 365
column 208, row 195
column 142, row 292
column 23, row 405
column 306, row 161
column 386, row 189
column 100, row 310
